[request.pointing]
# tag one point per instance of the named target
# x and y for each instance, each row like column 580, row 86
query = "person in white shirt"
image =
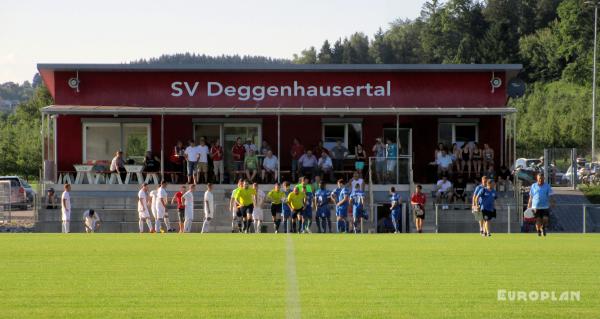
column 161, row 207
column 249, row 146
column 188, row 202
column 117, row 165
column 356, row 182
column 257, row 212
column 202, row 161
column 443, row 189
column 325, row 166
column 270, row 166
column 209, row 208
column 444, row 163
column 91, row 221
column 153, row 195
column 142, row 207
column 65, row 201
column 192, row 154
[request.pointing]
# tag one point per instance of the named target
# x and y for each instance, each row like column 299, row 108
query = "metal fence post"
column 508, row 229
column 437, row 227
column 584, row 213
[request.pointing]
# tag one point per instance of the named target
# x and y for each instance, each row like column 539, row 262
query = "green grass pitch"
column 337, row 276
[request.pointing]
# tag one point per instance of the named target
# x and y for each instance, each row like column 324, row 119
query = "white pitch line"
column 293, row 295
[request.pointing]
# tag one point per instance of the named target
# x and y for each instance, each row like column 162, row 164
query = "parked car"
column 524, row 163
column 22, row 194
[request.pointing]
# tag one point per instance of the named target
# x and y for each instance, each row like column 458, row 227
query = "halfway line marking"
column 293, row 295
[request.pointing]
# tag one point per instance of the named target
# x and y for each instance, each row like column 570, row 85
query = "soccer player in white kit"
column 188, row 202
column 65, row 201
column 257, row 211
column 91, row 221
column 209, row 208
column 144, row 215
column 161, row 206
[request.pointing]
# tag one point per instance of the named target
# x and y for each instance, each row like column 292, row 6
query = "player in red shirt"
column 417, row 201
column 297, row 151
column 238, row 151
column 180, row 207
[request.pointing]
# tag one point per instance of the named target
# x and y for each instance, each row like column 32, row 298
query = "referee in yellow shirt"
column 276, row 197
column 244, row 197
column 295, row 201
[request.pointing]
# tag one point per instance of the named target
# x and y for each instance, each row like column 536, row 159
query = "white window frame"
column 345, row 140
column 455, row 124
column 116, row 124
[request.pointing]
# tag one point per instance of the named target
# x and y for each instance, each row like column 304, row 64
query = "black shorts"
column 541, row 213
column 247, row 210
column 238, row 212
column 181, row 214
column 488, row 214
column 297, row 212
column 420, row 216
column 275, row 209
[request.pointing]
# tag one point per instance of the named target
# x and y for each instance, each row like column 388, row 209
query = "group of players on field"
column 295, row 206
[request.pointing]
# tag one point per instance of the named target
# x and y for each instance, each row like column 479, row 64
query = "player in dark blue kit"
column 357, row 200
column 341, row 198
column 486, row 197
column 287, row 212
column 308, row 211
column 395, row 209
column 321, row 202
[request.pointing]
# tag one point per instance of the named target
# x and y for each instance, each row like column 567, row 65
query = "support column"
column 43, row 138
column 278, row 148
column 162, row 146
column 397, row 148
column 502, row 139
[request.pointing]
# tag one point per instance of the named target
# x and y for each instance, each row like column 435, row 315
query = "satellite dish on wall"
column 516, row 88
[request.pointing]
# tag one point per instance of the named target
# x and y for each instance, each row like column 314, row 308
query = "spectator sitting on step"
column 504, row 179
column 251, row 165
column 270, row 164
column 308, row 164
column 51, row 199
column 117, row 165
column 490, row 173
column 443, row 190
column 325, row 166
column 459, row 191
column 151, row 163
column 91, row 221
column 444, row 163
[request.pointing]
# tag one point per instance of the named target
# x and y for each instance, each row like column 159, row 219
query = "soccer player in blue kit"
column 340, row 197
column 308, row 210
column 321, row 202
column 357, row 200
column 287, row 212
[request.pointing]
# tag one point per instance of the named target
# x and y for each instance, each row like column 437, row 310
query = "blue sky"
column 109, row 31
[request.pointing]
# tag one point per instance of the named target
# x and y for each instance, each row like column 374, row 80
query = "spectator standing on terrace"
column 360, row 158
column 338, row 154
column 297, row 151
column 270, row 164
column 391, row 151
column 117, row 165
column 308, row 163
column 251, row 166
column 91, row 221
column 319, row 149
column 325, row 166
column 142, row 207
column 379, row 153
column 356, row 182
column 192, row 154
column 238, row 151
column 177, row 159
column 203, row 161
column 477, row 157
column 216, row 154
column 65, row 201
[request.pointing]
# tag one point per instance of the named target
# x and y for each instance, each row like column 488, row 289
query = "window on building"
column 459, row 133
column 349, row 133
column 102, row 140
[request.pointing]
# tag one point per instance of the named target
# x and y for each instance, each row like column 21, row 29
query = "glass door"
column 233, row 131
column 398, row 170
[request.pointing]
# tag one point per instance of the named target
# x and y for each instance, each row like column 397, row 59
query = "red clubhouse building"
column 101, row 108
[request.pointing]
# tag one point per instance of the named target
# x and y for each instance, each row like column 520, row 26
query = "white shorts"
column 160, row 213
column 208, row 215
column 189, row 214
column 66, row 215
column 143, row 214
column 257, row 213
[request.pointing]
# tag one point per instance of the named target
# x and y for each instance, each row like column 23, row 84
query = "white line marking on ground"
column 293, row 295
